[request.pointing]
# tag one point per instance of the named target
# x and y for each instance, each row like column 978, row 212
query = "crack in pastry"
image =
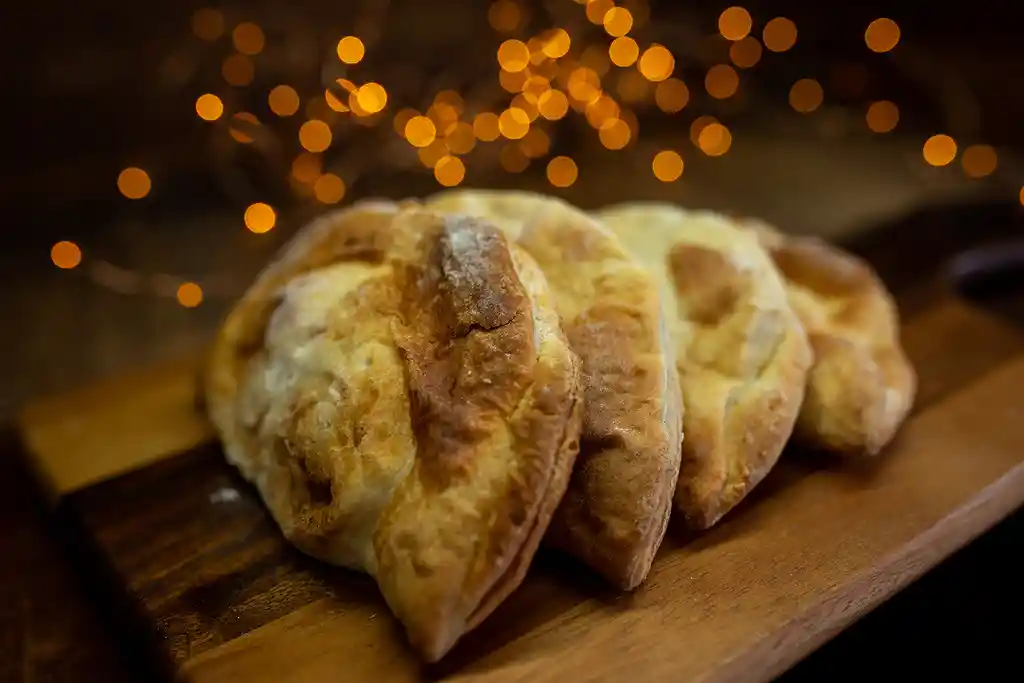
column 741, row 354
column 398, row 388
column 615, row 513
column 861, row 386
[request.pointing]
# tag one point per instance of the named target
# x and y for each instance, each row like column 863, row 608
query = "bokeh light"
column 745, row 53
column 623, row 51
column 806, row 95
column 657, row 63
column 238, row 70
column 667, row 165
column 513, row 123
column 486, row 126
column 248, row 38
column 882, row 35
column 283, row 100
column 513, row 55
column 721, row 81
column 449, row 171
column 329, row 189
column 735, row 23
column 208, row 24
column 882, row 116
column 504, row 16
column 979, row 161
column 671, row 95
column 779, row 34
column 189, row 294
column 350, row 50
column 209, row 107
column 420, row 131
column 65, row 254
column 939, row 150
column 714, row 139
column 260, row 217
column 562, row 171
column 315, row 136
column 614, row 134
column 618, row 21
column 134, row 183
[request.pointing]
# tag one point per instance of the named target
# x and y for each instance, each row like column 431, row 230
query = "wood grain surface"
column 223, row 598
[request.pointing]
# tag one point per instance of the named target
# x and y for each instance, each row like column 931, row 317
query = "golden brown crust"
column 741, row 354
column 616, row 510
column 410, row 410
column 862, row 385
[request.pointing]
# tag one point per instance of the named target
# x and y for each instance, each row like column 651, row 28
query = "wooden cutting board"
column 207, row 577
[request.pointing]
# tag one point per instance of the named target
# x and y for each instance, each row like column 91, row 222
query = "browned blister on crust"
column 862, row 385
column 740, row 352
column 407, row 405
column 616, row 510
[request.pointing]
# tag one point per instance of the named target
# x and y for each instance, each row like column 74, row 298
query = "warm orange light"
column 667, row 166
column 260, row 217
column 714, row 140
column 486, row 126
column 939, row 150
column 632, row 86
column 882, row 116
column 315, row 136
column 513, row 123
column 671, row 95
column 504, row 16
column 552, row 105
column 449, row 171
column 350, row 50
column 657, row 63
column 584, row 85
column 432, row 153
column 522, row 103
column 1021, row 196
column 208, row 24
column 623, row 51
column 133, row 183
column 283, row 100
column 513, row 81
column 242, row 126
column 882, row 35
column 329, row 189
column 556, row 44
column 745, row 53
column 248, row 38
column 618, row 21
column 513, row 159
column 238, row 70
column 65, row 254
column 806, row 95
column 420, row 131
column 979, row 161
column 699, row 124
column 562, row 172
column 513, row 55
column 190, row 294
column 371, row 97
column 459, row 138
column 306, row 167
column 721, row 81
column 614, row 134
column 598, row 9
column 536, row 143
column 735, row 23
column 601, row 111
column 779, row 34
column 209, row 107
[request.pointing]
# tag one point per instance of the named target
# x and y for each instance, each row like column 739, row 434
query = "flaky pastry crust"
column 616, row 510
column 397, row 387
column 861, row 386
column 741, row 353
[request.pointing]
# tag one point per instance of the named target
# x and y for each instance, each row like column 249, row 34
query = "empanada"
column 741, row 353
column 398, row 388
column 616, row 510
column 861, row 385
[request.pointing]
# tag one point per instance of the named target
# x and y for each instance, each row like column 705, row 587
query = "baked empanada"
column 616, row 510
column 398, row 388
column 741, row 353
column 861, row 385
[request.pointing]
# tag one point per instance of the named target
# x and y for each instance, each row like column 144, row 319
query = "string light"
column 779, row 34
column 979, row 161
column 260, row 218
column 65, row 254
column 882, row 116
column 350, row 50
column 667, row 166
column 562, row 171
column 745, row 52
column 209, row 107
column 134, row 183
column 283, row 100
column 939, row 150
column 882, row 35
column 735, row 23
column 189, row 294
column 806, row 95
column 248, row 38
column 329, row 189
